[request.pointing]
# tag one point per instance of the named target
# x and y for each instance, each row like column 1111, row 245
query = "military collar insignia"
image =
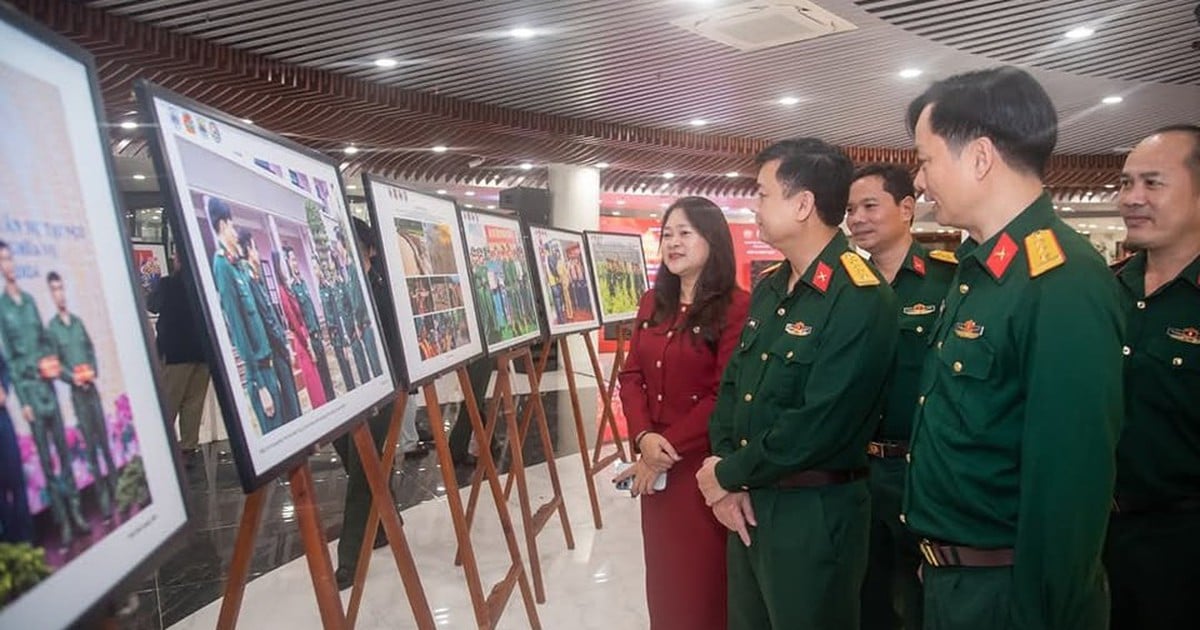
column 920, row 309
column 821, row 277
column 1044, row 252
column 918, row 265
column 968, row 330
column 860, row 274
column 1002, row 256
column 798, row 329
column 1186, row 335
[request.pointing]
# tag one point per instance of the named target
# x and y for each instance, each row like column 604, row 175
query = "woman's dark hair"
column 717, row 279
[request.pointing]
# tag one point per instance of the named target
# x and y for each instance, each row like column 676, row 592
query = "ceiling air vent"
column 765, row 23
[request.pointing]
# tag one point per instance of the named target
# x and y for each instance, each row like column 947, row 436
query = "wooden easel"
column 533, row 521
column 487, row 610
column 316, row 550
column 607, row 419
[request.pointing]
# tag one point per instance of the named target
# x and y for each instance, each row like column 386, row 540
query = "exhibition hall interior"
column 399, row 249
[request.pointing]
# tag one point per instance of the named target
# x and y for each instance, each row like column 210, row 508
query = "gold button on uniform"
column 660, row 398
column 780, row 312
column 1141, row 304
column 744, row 442
column 1126, row 350
column 963, row 288
column 670, row 333
column 748, row 397
column 920, row 329
column 790, row 354
column 908, row 457
column 939, row 345
column 921, row 400
column 958, row 366
column 764, row 356
column 1177, row 361
column 658, row 364
column 903, row 519
column 753, row 324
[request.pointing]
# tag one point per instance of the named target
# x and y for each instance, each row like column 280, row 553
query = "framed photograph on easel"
column 266, row 231
column 90, row 494
column 620, row 268
column 563, row 268
column 501, row 279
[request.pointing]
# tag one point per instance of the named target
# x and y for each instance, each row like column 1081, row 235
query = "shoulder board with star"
column 770, row 270
column 942, row 255
column 860, row 274
column 1044, row 252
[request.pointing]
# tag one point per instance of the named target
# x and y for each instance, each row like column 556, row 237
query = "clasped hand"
column 658, row 456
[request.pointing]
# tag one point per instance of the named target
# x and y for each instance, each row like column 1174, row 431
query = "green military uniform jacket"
column 276, row 331
column 358, row 303
column 801, row 391
column 1158, row 458
column 25, row 339
column 300, row 290
column 331, row 300
column 1018, row 413
column 920, row 287
column 73, row 345
column 245, row 324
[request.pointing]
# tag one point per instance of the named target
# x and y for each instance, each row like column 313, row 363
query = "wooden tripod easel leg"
column 316, row 550
column 607, row 418
column 239, row 566
column 558, row 502
column 377, row 473
column 573, row 389
column 485, row 441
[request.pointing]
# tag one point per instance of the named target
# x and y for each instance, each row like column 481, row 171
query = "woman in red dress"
column 299, row 337
column 687, row 328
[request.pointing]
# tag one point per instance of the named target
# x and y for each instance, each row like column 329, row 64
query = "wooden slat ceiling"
column 303, row 68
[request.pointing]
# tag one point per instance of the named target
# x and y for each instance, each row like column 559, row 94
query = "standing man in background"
column 880, row 215
column 182, row 342
column 1153, row 549
column 1011, row 473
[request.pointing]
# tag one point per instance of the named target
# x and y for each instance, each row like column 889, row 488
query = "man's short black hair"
column 816, row 166
column 53, row 277
column 1005, row 105
column 288, row 251
column 245, row 240
column 218, row 211
column 897, row 181
column 363, row 232
column 1193, row 157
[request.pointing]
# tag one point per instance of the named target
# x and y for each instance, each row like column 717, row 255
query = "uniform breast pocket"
column 749, row 334
column 789, row 362
column 914, row 338
column 1180, row 360
column 971, row 365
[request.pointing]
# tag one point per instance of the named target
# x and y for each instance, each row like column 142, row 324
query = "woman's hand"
column 643, row 477
column 657, row 452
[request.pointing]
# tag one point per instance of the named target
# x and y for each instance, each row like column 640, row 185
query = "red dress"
column 304, row 360
column 669, row 386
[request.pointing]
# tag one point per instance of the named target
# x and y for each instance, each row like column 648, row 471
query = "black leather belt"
column 1138, row 505
column 946, row 555
column 818, row 478
column 886, row 449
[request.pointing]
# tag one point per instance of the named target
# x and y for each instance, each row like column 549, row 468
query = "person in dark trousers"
column 16, row 523
column 182, row 341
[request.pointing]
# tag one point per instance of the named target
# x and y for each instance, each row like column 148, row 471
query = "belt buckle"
column 875, row 449
column 927, row 550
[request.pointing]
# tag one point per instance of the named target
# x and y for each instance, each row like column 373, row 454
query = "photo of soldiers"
column 502, row 285
column 332, row 304
column 363, row 340
column 620, row 269
column 560, row 263
column 312, row 326
column 281, row 360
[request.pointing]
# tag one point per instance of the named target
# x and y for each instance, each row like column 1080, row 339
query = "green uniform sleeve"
column 720, row 423
column 851, row 366
column 89, row 350
column 1072, row 420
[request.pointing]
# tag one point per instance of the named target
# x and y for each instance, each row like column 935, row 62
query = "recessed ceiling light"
column 732, row 174
column 725, row 208
column 386, row 62
column 351, row 187
column 663, row 205
column 1111, row 100
column 139, row 176
column 920, row 229
column 616, row 213
column 129, row 124
column 697, row 122
column 522, row 32
column 1079, row 32
column 664, row 186
column 668, row 175
column 1110, row 186
column 350, row 150
column 440, row 149
column 491, row 207
column 441, row 191
column 525, row 166
column 653, row 215
column 470, row 206
column 601, row 164
column 470, row 193
column 1068, row 209
column 789, row 100
column 248, row 121
column 910, row 73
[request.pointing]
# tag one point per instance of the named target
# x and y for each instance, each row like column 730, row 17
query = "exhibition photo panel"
column 89, row 484
column 568, row 298
column 426, row 266
column 268, row 239
column 501, row 280
column 619, row 265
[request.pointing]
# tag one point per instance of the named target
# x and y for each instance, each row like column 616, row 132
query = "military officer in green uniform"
column 281, row 349
column 345, row 295
column 69, row 339
column 879, row 217
column 331, row 302
column 34, row 367
column 311, row 322
column 1153, row 549
column 243, row 320
column 798, row 403
column 1011, row 472
column 360, row 312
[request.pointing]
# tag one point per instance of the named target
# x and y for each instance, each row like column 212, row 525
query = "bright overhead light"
column 615, row 213
column 920, row 229
column 139, row 176
column 491, row 207
column 470, row 193
column 663, row 205
column 1068, row 209
column 440, row 149
column 732, row 174
column 789, row 100
column 350, row 150
column 910, row 73
column 601, row 164
column 525, row 166
column 1079, row 32
column 441, row 191
column 248, row 121
column 129, row 124
column 351, row 186
column 664, row 186
column 668, row 175
column 470, row 206
column 522, row 33
column 1110, row 186
column 386, row 62
column 653, row 215
column 697, row 122
column 1111, row 100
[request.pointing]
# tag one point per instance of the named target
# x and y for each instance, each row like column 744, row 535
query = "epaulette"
column 1044, row 252
column 860, row 274
column 942, row 255
column 770, row 270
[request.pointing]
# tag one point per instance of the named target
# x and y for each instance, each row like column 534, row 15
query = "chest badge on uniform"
column 920, row 309
column 918, row 265
column 1186, row 335
column 798, row 329
column 968, row 329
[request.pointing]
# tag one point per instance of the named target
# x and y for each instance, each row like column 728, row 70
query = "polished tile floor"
column 602, row 574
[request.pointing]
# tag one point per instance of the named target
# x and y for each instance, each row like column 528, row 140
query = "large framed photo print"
column 426, row 266
column 566, row 276
column 501, row 280
column 620, row 268
column 89, row 487
column 263, row 224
